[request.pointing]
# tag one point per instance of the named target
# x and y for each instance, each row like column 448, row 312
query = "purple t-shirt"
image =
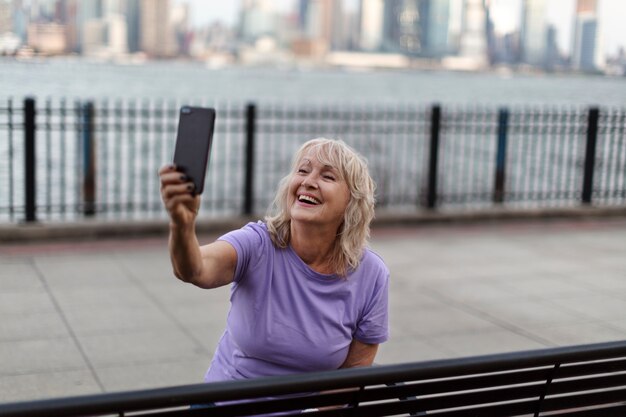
column 286, row 318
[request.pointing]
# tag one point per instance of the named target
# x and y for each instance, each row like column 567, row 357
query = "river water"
column 75, row 78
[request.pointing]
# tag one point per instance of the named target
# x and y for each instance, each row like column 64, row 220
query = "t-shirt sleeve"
column 247, row 242
column 373, row 327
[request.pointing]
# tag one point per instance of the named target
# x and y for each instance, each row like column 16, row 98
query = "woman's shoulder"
column 255, row 233
column 259, row 227
column 373, row 262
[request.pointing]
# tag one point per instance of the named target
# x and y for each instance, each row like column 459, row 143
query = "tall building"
column 104, row 28
column 87, row 13
column 587, row 51
column 534, row 32
column 47, row 38
column 455, row 25
column 303, row 10
column 404, row 27
column 372, row 13
column 437, row 27
column 133, row 24
column 180, row 22
column 157, row 35
column 19, row 20
column 553, row 57
column 93, row 37
column 69, row 17
column 473, row 52
column 117, row 34
column 324, row 24
column 6, row 20
column 339, row 30
column 258, row 19
column 587, row 6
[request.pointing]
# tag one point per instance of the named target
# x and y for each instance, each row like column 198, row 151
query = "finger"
column 173, row 178
column 167, row 168
column 173, row 190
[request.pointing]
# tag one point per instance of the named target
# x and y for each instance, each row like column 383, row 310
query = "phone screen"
column 193, row 143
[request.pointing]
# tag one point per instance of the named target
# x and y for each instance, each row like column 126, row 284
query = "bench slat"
column 584, row 400
column 587, row 368
column 500, row 410
column 472, row 382
column 618, row 410
column 587, row 384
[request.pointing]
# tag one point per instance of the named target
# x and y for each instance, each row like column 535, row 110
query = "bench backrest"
column 588, row 380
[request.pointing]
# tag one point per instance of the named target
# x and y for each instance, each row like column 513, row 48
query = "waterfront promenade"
column 108, row 315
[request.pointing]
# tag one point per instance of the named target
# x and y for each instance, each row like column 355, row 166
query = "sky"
column 506, row 14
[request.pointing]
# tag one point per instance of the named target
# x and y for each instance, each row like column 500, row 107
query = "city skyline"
column 470, row 35
column 506, row 15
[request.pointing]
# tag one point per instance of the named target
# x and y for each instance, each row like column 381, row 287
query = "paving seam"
column 480, row 314
column 138, row 283
column 42, row 372
column 66, row 323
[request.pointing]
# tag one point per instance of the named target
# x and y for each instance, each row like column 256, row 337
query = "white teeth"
column 309, row 199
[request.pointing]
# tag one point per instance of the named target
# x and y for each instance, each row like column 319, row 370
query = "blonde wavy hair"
column 353, row 233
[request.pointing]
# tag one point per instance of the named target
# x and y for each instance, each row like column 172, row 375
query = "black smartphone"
column 193, row 143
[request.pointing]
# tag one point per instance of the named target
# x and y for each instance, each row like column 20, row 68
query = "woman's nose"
column 309, row 181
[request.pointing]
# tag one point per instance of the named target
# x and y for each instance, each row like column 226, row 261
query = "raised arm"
column 209, row 266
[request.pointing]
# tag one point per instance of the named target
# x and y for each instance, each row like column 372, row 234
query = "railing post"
column 590, row 154
column 30, row 182
column 248, row 202
column 89, row 161
column 435, row 122
column 503, row 122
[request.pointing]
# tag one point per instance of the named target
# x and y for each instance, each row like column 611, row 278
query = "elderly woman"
column 307, row 294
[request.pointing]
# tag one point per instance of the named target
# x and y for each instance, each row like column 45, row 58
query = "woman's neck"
column 313, row 244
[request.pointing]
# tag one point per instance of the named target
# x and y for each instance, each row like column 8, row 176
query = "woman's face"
column 318, row 194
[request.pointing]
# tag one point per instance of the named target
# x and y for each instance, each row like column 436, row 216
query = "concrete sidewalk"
column 109, row 315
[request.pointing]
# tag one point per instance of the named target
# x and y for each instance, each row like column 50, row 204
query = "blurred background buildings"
column 449, row 34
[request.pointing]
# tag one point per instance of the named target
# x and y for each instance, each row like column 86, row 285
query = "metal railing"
column 587, row 380
column 62, row 160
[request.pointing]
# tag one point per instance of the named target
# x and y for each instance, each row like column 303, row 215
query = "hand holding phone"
column 193, row 143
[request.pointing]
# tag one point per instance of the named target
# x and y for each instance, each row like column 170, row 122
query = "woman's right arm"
column 209, row 266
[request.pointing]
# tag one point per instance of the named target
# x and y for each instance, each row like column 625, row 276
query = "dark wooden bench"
column 588, row 380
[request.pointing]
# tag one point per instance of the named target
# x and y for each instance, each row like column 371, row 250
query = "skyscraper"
column 133, row 24
column 258, row 19
column 372, row 14
column 157, row 35
column 87, row 12
column 587, row 6
column 324, row 23
column 534, row 32
column 437, row 27
column 587, row 52
column 403, row 27
column 6, row 22
column 303, row 10
column 473, row 53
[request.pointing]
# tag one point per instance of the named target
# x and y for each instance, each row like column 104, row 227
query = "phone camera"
column 185, row 110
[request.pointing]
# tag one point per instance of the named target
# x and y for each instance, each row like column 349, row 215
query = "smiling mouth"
column 307, row 199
